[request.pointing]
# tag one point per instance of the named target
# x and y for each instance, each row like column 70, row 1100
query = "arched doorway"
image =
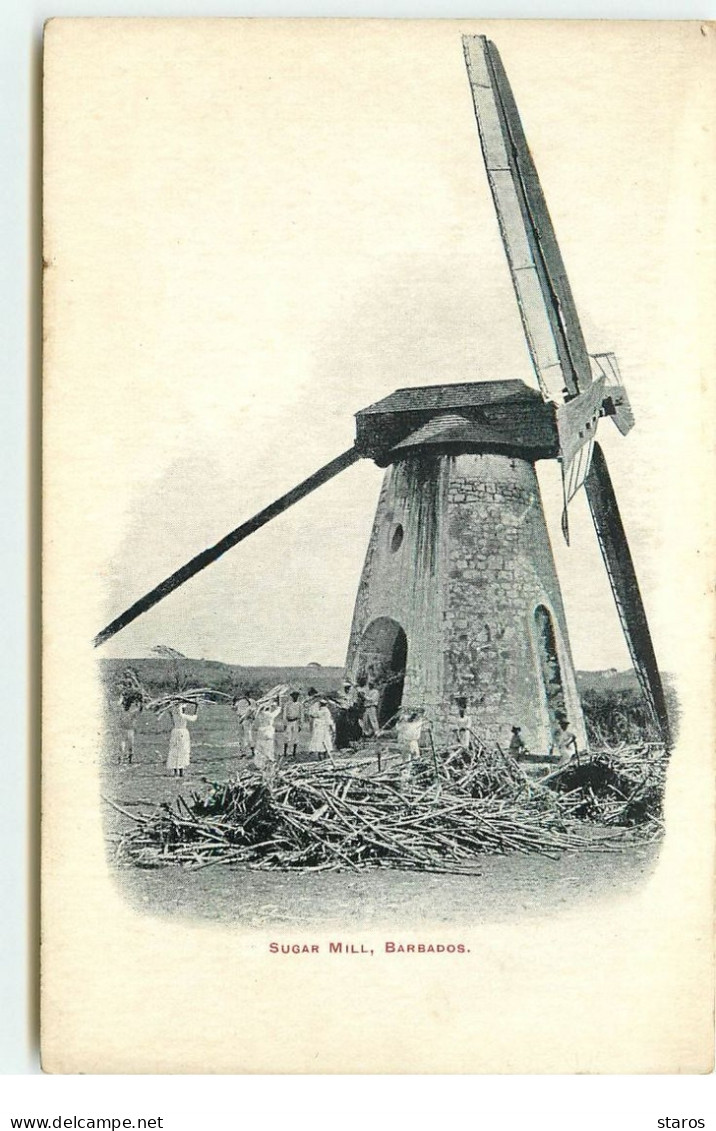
column 549, row 667
column 382, row 657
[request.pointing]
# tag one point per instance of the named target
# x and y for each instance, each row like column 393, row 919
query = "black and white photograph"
column 459, row 725
column 375, row 466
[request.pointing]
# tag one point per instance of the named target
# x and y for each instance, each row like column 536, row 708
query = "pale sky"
column 275, row 226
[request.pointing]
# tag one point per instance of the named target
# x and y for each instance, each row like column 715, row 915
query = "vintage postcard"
column 378, row 549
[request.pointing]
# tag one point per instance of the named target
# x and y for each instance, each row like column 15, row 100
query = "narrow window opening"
column 549, row 667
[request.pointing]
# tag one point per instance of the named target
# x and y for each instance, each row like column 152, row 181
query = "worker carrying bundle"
column 409, row 728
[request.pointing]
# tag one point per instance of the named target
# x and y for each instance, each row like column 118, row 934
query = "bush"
column 614, row 716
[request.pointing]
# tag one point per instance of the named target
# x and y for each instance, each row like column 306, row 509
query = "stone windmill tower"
column 459, row 597
column 459, row 588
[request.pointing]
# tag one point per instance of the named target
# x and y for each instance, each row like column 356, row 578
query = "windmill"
column 459, row 596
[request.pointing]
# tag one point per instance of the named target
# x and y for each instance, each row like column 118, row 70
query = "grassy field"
column 161, row 674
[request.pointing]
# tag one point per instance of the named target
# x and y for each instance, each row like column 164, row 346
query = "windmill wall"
column 465, row 581
column 405, row 582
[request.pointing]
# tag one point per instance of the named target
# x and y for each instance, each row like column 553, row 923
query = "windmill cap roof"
column 451, row 428
column 473, row 394
column 504, row 416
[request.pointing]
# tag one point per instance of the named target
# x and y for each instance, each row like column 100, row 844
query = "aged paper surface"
column 254, row 229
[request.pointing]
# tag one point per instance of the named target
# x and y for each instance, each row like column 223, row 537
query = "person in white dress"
column 265, row 739
column 179, row 741
column 323, row 728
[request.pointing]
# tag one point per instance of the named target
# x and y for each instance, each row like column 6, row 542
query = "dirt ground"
column 503, row 887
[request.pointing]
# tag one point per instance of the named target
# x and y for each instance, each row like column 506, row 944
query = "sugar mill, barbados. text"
column 361, row 948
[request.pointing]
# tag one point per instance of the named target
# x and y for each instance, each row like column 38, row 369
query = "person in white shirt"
column 409, row 729
column 292, row 716
column 131, row 704
column 464, row 726
column 517, row 743
column 242, row 705
column 369, row 722
column 565, row 740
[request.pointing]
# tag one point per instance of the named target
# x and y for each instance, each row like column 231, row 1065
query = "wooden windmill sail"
column 459, row 597
column 557, row 347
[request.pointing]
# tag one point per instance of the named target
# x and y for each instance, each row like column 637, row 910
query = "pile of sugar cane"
column 482, row 772
column 326, row 818
column 192, row 697
column 254, row 706
column 621, row 785
column 133, row 688
column 133, row 691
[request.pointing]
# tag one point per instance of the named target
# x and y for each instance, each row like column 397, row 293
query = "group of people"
column 181, row 714
column 352, row 717
column 564, row 745
column 257, row 726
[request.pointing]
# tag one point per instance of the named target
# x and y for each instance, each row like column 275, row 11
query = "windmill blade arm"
column 625, row 587
column 549, row 316
column 206, row 557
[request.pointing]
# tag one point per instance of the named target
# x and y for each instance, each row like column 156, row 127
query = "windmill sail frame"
column 526, row 227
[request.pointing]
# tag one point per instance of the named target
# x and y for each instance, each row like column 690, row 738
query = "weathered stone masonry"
column 500, row 570
column 473, row 564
